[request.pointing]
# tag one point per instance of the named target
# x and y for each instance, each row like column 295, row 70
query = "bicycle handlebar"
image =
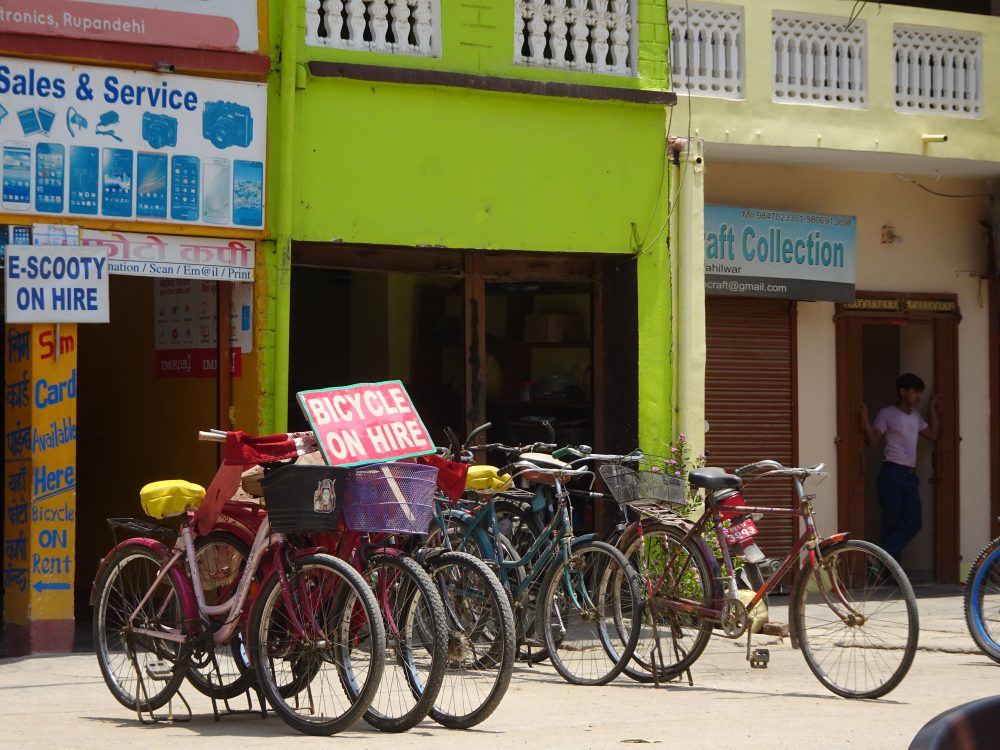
column 212, row 436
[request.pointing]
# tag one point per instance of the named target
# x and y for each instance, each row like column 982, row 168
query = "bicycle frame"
column 808, row 540
column 557, row 534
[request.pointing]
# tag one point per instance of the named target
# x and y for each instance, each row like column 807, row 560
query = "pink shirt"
column 901, row 431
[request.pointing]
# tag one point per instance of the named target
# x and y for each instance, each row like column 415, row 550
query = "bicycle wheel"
column 982, row 600
column 416, row 642
column 671, row 640
column 517, row 523
column 480, row 640
column 125, row 655
column 590, row 613
column 857, row 620
column 304, row 658
column 222, row 559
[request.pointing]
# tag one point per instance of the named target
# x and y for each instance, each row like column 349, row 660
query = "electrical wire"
column 904, row 178
column 644, row 245
column 855, row 13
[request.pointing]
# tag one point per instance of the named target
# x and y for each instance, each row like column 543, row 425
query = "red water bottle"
column 742, row 528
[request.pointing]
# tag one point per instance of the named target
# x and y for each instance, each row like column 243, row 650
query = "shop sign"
column 186, row 335
column 124, row 145
column 752, row 252
column 195, row 24
column 56, row 284
column 174, row 257
column 366, row 422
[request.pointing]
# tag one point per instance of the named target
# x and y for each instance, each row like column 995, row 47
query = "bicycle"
column 435, row 644
column 311, row 614
column 579, row 594
column 982, row 604
column 853, row 612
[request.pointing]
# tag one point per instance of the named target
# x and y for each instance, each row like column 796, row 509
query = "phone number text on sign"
column 366, row 422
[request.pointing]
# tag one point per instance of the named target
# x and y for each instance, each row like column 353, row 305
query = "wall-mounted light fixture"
column 164, row 67
column 934, row 138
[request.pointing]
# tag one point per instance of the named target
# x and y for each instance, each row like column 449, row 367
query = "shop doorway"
column 879, row 337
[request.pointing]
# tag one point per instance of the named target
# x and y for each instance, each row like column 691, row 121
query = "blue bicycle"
column 982, row 600
column 575, row 599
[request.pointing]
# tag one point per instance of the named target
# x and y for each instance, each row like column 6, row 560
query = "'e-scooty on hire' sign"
column 56, row 284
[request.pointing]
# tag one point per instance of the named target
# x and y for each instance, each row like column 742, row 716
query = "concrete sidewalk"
column 61, row 701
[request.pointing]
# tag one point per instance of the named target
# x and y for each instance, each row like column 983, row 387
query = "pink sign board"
column 365, row 423
column 196, row 24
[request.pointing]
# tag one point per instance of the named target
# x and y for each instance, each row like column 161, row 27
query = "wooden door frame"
column 941, row 311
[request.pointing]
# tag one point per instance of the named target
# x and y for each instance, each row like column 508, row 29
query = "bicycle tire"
column 671, row 639
column 517, row 523
column 606, row 584
column 346, row 634
column 416, row 651
column 481, row 641
column 847, row 658
column 982, row 596
column 126, row 578
column 222, row 558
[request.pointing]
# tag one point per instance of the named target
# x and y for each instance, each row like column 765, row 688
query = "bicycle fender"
column 583, row 538
column 188, row 601
column 793, row 600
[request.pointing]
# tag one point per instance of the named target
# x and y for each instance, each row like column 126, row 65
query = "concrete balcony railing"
column 880, row 81
column 823, row 60
column 397, row 27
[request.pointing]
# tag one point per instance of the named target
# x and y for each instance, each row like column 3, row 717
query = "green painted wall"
column 418, row 165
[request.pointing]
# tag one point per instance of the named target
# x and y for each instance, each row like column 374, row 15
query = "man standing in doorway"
column 897, row 483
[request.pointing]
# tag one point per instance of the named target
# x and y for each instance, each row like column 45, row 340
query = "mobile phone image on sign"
column 29, row 121
column 151, row 185
column 248, row 193
column 50, row 181
column 116, row 182
column 216, row 191
column 83, row 179
column 16, row 176
column 45, row 119
column 184, row 193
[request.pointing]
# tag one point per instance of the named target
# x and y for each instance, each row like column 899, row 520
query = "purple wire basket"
column 396, row 497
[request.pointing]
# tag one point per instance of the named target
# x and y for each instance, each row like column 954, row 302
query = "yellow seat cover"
column 170, row 497
column 484, row 477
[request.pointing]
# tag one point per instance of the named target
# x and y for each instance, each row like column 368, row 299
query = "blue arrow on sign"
column 42, row 586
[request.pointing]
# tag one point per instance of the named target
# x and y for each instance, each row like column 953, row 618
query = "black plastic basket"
column 395, row 497
column 304, row 497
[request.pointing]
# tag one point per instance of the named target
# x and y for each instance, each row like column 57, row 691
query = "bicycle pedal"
column 759, row 658
column 160, row 670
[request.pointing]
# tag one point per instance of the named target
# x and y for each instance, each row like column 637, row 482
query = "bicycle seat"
column 170, row 497
column 485, row 477
column 712, row 478
column 542, row 461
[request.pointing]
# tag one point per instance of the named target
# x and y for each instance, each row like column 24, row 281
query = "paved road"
column 61, row 701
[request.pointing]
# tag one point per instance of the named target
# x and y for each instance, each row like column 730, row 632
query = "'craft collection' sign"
column 366, row 422
column 753, row 252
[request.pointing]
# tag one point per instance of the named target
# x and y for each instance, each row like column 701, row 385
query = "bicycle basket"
column 395, row 497
column 304, row 497
column 650, row 480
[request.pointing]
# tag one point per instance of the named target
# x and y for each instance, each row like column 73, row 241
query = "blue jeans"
column 899, row 496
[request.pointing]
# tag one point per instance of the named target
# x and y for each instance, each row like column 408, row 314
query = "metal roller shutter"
column 749, row 399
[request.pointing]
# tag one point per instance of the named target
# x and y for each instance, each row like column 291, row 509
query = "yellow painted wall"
column 758, row 121
column 942, row 251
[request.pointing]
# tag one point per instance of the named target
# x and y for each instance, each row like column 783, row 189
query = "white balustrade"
column 706, row 49
column 395, row 27
column 819, row 60
column 938, row 71
column 596, row 36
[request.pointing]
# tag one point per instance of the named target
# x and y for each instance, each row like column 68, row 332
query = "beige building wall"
column 942, row 251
